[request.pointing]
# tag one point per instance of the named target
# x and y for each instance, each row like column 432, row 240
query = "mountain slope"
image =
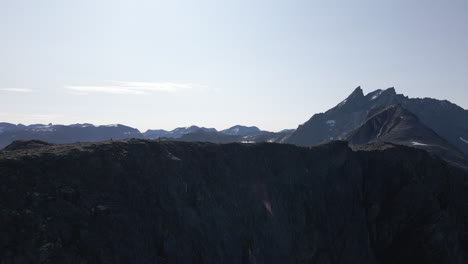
column 239, row 130
column 139, row 201
column 155, row 133
column 446, row 119
column 397, row 125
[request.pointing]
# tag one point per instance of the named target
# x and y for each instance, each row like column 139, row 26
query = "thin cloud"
column 136, row 88
column 104, row 89
column 16, row 90
column 160, row 87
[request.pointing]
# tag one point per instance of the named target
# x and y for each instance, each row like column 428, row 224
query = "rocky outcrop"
column 397, row 125
column 139, row 201
column 27, row 144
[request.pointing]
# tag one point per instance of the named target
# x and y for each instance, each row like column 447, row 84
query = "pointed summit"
column 354, row 98
column 390, row 90
column 356, row 93
column 388, row 94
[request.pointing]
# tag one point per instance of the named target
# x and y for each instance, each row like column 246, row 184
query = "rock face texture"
column 397, row 125
column 139, row 201
column 445, row 118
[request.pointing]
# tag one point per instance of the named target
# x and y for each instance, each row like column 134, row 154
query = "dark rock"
column 26, row 144
column 231, row 203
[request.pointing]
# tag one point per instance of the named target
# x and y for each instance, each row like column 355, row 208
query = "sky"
column 273, row 64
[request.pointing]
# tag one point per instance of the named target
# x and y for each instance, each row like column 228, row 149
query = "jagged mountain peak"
column 378, row 94
column 357, row 92
column 445, row 118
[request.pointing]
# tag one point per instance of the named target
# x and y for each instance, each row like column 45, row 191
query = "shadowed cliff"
column 139, row 201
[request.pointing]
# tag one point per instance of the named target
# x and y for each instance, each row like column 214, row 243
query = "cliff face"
column 397, row 125
column 138, row 201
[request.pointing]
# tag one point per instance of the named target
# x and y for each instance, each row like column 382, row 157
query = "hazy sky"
column 164, row 64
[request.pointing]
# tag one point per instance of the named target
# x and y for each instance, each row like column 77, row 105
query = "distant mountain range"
column 65, row 134
column 176, row 133
column 220, row 137
column 179, row 132
column 90, row 133
column 438, row 126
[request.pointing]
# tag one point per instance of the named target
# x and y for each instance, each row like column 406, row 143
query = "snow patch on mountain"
column 331, row 122
column 82, row 125
column 48, row 128
column 414, row 143
column 173, row 157
column 464, row 140
column 376, row 96
column 343, row 103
